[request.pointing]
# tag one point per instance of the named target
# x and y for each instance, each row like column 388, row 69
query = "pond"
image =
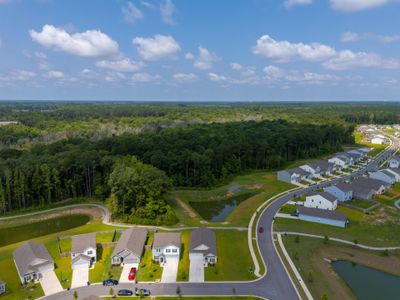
column 367, row 283
column 218, row 210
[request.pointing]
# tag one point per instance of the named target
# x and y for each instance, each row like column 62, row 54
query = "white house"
column 293, row 175
column 377, row 141
column 321, row 200
column 84, row 250
column 394, row 162
column 166, row 245
column 341, row 160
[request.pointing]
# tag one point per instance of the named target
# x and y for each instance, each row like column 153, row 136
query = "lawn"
column 102, row 268
column 148, row 270
column 183, row 269
column 376, row 149
column 104, row 237
column 288, row 209
column 360, row 203
column 234, row 259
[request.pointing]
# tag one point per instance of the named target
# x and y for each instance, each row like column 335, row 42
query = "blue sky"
column 200, row 50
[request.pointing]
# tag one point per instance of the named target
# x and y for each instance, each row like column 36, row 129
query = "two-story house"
column 84, row 250
column 321, row 200
column 166, row 245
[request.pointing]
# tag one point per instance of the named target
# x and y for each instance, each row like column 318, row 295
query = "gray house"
column 383, row 175
column 130, row 246
column 31, row 259
column 203, row 246
column 366, row 188
column 84, row 250
column 342, row 191
column 2, row 287
column 322, row 216
column 324, row 167
column 293, row 175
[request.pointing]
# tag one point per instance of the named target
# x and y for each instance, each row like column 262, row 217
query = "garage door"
column 80, row 276
column 125, row 272
column 196, row 270
column 170, row 270
column 50, row 283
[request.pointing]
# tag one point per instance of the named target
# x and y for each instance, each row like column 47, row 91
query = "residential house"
column 322, row 216
column 364, row 150
column 321, row 200
column 355, row 155
column 293, row 175
column 394, row 162
column 396, row 172
column 342, row 160
column 84, row 250
column 166, row 245
column 319, row 167
column 366, row 188
column 342, row 191
column 129, row 248
column 383, row 175
column 377, row 140
column 203, row 246
column 31, row 259
column 2, row 287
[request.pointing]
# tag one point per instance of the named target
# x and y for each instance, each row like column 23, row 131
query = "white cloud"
column 350, row 37
column 91, row 43
column 189, row 56
column 205, row 59
column 131, row 13
column 284, row 51
column 291, row 3
column 389, row 38
column 244, row 71
column 167, row 10
column 274, row 72
column 144, row 78
column 216, row 77
column 40, row 55
column 122, row 65
column 185, row 77
column 54, row 74
column 18, row 75
column 147, row 4
column 114, row 76
column 356, row 5
column 160, row 46
column 353, row 37
column 236, row 66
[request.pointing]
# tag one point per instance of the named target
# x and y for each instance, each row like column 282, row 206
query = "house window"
column 90, row 252
column 175, row 250
column 158, row 250
column 168, row 250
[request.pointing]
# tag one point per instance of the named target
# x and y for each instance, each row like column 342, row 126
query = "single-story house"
column 321, row 200
column 396, row 172
column 31, row 259
column 166, row 245
column 293, row 175
column 203, row 245
column 129, row 248
column 342, row 191
column 2, row 287
column 383, row 175
column 366, row 188
column 84, row 250
column 394, row 162
column 322, row 216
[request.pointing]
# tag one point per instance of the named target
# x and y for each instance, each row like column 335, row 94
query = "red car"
column 132, row 274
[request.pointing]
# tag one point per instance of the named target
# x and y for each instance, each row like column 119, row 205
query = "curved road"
column 276, row 284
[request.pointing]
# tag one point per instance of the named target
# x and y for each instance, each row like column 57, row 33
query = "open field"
column 313, row 255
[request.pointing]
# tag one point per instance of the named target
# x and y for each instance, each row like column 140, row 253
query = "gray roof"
column 132, row 239
column 396, row 170
column 322, row 213
column 163, row 239
column 78, row 257
column 299, row 171
column 203, row 236
column 326, row 195
column 323, row 165
column 345, row 187
column 30, row 256
column 386, row 172
column 364, row 185
column 83, row 241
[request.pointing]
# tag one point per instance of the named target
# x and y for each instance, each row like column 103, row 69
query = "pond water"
column 367, row 283
column 218, row 210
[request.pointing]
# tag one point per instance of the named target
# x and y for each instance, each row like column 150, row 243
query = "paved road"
column 275, row 285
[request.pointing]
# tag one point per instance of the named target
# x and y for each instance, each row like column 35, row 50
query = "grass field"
column 360, row 203
column 184, row 263
column 148, row 270
column 102, row 268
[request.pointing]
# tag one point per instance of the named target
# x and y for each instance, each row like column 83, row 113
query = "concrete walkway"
column 286, row 216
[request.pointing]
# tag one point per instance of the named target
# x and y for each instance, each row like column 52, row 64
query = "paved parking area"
column 125, row 272
column 170, row 270
column 196, row 270
column 80, row 276
column 50, row 283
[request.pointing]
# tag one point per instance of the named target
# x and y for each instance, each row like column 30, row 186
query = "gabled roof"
column 366, row 185
column 83, row 241
column 321, row 213
column 326, row 196
column 390, row 174
column 30, row 256
column 395, row 170
column 323, row 165
column 164, row 239
column 345, row 187
column 81, row 256
column 203, row 236
column 299, row 171
column 133, row 240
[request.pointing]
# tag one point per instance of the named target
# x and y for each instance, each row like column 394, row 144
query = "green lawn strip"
column 351, row 214
column 62, row 264
column 288, row 209
column 104, row 237
column 183, row 268
column 234, row 258
column 102, row 268
column 148, row 270
column 363, row 232
column 360, row 203
column 65, row 244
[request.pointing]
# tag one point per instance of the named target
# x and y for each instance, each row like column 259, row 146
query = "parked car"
column 125, row 293
column 132, row 274
column 110, row 282
column 260, row 229
column 143, row 292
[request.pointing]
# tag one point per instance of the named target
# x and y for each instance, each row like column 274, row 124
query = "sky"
column 200, row 50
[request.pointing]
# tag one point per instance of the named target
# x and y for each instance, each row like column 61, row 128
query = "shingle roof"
column 345, row 187
column 164, row 239
column 299, row 171
column 30, row 256
column 326, row 196
column 83, row 241
column 322, row 213
column 366, row 185
column 132, row 239
column 395, row 170
column 323, row 165
column 78, row 257
column 203, row 236
column 388, row 173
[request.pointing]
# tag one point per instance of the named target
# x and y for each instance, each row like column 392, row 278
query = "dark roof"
column 387, row 173
column 83, row 241
column 132, row 239
column 345, row 187
column 30, row 256
column 364, row 185
column 299, row 171
column 78, row 257
column 323, row 165
column 321, row 213
column 163, row 239
column 396, row 170
column 326, row 195
column 203, row 236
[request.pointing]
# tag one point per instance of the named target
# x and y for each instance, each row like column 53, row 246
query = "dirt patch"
column 186, row 209
column 383, row 215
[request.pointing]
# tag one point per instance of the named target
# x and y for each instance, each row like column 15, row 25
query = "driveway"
column 80, row 276
column 125, row 272
column 50, row 283
column 196, row 270
column 170, row 270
